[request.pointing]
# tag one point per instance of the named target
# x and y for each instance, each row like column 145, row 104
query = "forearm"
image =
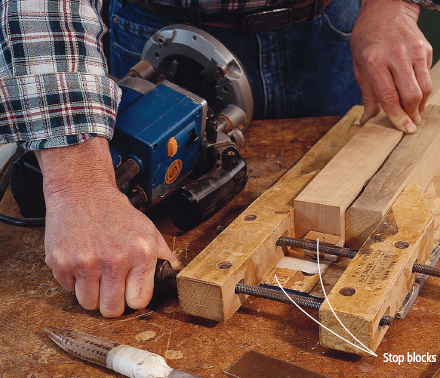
column 76, row 173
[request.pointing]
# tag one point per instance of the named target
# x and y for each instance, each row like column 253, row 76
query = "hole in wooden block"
column 347, row 291
column 250, row 217
column 224, row 265
column 401, row 244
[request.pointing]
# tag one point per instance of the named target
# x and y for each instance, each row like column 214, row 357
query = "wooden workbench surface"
column 31, row 299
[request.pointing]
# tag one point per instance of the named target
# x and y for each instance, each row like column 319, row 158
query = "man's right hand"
column 392, row 59
column 97, row 244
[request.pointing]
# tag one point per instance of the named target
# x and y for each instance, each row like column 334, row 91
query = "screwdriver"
column 127, row 360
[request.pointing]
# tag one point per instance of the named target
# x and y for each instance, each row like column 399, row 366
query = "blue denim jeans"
column 304, row 70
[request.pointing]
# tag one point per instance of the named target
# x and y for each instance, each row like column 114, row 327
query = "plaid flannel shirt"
column 53, row 85
column 431, row 4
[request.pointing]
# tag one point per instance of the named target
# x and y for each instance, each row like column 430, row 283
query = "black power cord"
column 4, row 183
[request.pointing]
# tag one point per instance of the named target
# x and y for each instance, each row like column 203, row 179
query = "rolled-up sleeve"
column 54, row 89
column 431, row 4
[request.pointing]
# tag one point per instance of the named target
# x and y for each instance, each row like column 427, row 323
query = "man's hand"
column 97, row 243
column 392, row 59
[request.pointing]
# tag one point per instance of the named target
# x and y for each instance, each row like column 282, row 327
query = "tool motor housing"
column 161, row 129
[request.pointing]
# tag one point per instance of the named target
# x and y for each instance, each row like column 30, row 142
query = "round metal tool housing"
column 198, row 62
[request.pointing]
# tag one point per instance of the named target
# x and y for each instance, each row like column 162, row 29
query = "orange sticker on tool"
column 173, row 171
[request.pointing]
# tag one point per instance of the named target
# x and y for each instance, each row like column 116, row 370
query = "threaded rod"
column 386, row 320
column 346, row 252
column 313, row 246
column 279, row 296
column 426, row 269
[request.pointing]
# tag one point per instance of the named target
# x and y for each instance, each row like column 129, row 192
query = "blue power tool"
column 185, row 107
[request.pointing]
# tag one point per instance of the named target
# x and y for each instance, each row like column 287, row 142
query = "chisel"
column 129, row 361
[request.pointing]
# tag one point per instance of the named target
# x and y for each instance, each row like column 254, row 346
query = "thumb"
column 402, row 122
column 164, row 252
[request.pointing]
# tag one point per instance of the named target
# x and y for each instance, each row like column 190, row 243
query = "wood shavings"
column 144, row 336
column 172, row 309
column 173, row 354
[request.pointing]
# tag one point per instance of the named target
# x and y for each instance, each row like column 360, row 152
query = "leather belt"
column 265, row 19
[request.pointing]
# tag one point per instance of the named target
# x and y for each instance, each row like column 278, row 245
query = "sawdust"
column 173, row 354
column 45, row 354
column 172, row 309
column 144, row 336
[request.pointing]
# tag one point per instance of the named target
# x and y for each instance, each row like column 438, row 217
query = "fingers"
column 112, row 286
column 425, row 83
column 85, row 286
column 390, row 91
column 87, row 291
column 139, row 286
column 371, row 104
column 165, row 253
column 111, row 267
column 410, row 94
column 106, row 293
column 139, row 282
column 112, row 294
column 401, row 96
column 140, row 279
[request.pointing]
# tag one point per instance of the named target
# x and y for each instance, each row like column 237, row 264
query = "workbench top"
column 31, row 299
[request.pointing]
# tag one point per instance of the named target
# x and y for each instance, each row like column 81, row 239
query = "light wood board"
column 322, row 204
column 415, row 160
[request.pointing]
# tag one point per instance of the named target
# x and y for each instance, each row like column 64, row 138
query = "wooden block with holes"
column 246, row 248
column 243, row 251
column 378, row 279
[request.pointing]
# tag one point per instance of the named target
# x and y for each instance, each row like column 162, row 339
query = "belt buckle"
column 267, row 20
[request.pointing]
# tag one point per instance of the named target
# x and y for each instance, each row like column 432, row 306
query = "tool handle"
column 203, row 197
column 164, row 272
column 137, row 363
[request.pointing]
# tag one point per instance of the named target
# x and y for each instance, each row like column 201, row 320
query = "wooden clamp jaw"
column 244, row 251
column 379, row 278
